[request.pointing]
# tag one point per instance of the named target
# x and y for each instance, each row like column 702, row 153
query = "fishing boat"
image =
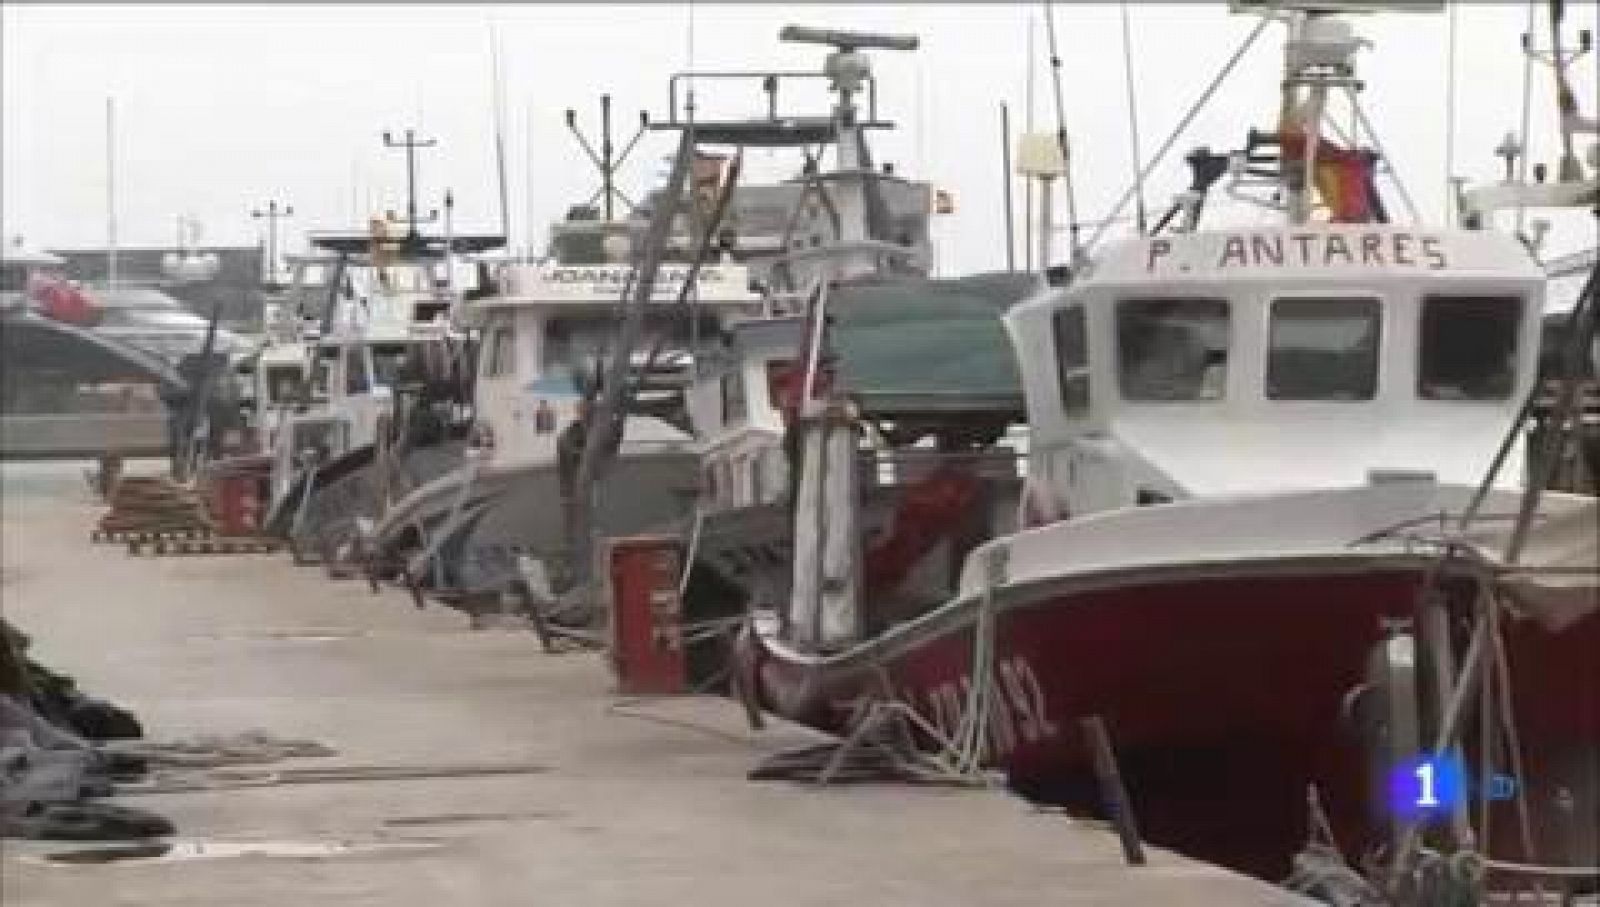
column 69, row 388
column 475, row 530
column 272, row 374
column 1236, row 438
column 146, row 317
column 470, row 531
column 383, row 406
column 925, row 359
column 751, row 250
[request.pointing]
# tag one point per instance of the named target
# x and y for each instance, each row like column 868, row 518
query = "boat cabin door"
column 498, row 395
column 1074, row 468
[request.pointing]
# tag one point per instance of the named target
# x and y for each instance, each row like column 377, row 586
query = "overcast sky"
column 220, row 108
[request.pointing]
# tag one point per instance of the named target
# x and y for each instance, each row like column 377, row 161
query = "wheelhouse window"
column 1172, row 349
column 1072, row 359
column 579, row 343
column 501, row 357
column 1469, row 347
column 283, row 383
column 1324, row 349
column 391, row 362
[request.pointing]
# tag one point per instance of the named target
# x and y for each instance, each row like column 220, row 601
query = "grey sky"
column 221, row 107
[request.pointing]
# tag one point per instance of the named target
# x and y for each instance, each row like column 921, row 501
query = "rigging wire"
column 1394, row 175
column 1061, row 133
column 1177, row 132
column 1450, row 111
column 1133, row 119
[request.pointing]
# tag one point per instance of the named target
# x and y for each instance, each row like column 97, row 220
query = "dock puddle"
column 189, row 850
column 309, row 636
column 531, row 815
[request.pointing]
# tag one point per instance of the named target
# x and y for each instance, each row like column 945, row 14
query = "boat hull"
column 914, row 536
column 1223, row 691
column 349, row 488
column 516, row 510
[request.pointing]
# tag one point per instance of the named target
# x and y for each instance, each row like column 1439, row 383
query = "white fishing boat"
column 351, row 444
column 924, row 359
column 474, row 531
column 544, row 335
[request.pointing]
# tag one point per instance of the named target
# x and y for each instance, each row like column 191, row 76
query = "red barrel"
column 647, row 649
column 235, row 497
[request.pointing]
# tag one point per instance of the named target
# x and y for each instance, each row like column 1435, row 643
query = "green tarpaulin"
column 931, row 338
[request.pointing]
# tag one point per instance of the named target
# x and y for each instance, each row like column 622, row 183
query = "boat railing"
column 682, row 104
column 900, row 466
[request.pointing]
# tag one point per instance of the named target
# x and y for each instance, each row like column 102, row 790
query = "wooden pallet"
column 147, row 508
column 149, row 535
column 212, row 545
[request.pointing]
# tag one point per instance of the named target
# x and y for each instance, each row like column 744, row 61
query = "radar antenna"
column 846, row 68
column 847, row 41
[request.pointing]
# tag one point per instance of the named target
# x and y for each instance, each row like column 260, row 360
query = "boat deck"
column 524, row 780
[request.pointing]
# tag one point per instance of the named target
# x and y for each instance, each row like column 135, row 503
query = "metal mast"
column 606, row 161
column 272, row 215
column 411, row 143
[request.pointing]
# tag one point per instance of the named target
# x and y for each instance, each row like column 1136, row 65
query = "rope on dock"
column 882, row 743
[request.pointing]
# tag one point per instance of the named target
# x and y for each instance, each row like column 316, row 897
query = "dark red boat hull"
column 1223, row 694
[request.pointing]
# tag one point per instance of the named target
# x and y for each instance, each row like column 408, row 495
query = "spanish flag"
column 1342, row 176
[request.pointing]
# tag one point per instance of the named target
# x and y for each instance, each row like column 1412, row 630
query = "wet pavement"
column 470, row 768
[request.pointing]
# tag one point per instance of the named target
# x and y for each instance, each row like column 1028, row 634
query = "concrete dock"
column 531, row 782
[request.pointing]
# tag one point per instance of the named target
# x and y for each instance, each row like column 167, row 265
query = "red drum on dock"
column 647, row 648
column 234, row 496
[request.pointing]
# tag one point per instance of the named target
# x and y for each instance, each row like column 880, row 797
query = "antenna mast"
column 605, row 162
column 272, row 215
column 499, row 130
column 1572, row 187
column 1061, row 135
column 411, row 143
column 1133, row 118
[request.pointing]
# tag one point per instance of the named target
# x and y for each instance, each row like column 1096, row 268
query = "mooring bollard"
column 1112, row 792
column 110, row 472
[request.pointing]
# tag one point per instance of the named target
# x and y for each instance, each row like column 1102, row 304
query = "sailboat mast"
column 111, row 196
column 498, row 95
column 1027, row 129
column 530, row 176
column 1005, row 184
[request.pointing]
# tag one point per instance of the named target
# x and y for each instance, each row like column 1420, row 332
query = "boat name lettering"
column 1019, row 713
column 621, row 276
column 1318, row 250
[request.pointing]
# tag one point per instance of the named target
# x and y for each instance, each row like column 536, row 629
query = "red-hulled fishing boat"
column 1256, row 455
